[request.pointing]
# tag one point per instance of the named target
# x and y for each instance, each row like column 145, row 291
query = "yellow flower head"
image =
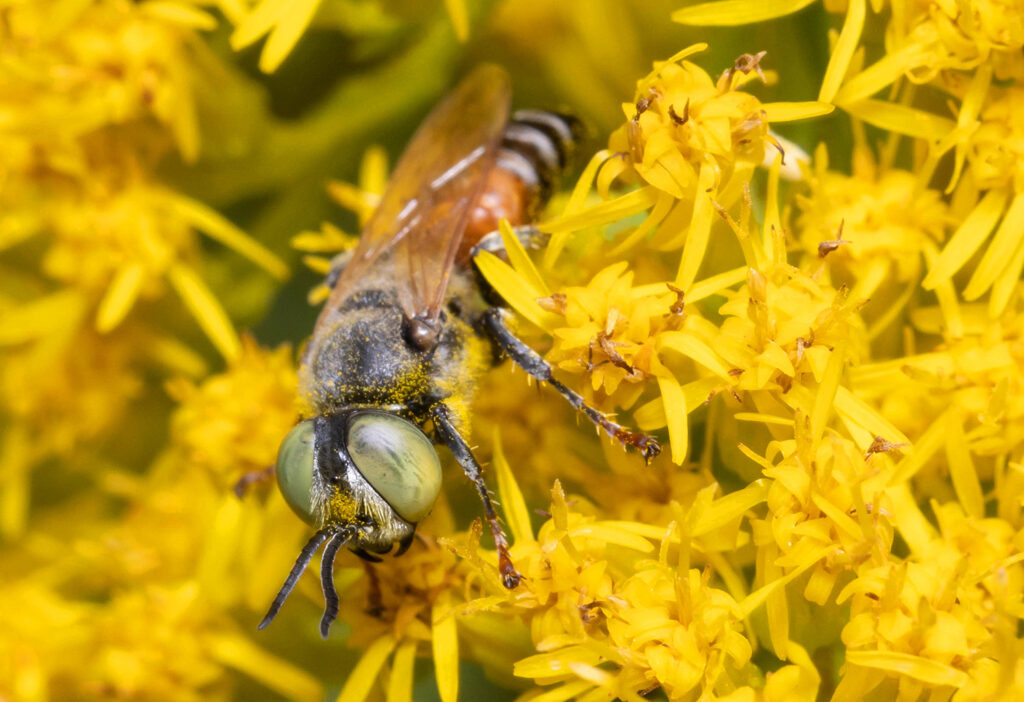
column 611, row 331
column 872, row 226
column 996, row 149
column 963, row 35
column 682, row 118
column 233, row 423
column 929, row 619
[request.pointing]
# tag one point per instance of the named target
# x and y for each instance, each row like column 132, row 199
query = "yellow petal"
column 120, row 297
column 510, row 496
column 569, row 691
column 258, row 22
column 219, row 228
column 925, row 447
column 445, row 645
column 575, row 203
column 207, row 311
column 716, row 284
column 674, row 403
column 842, row 54
column 401, row 680
column 177, row 13
column 459, row 15
column 853, row 409
column 728, row 508
column 700, row 229
column 923, row 669
column 688, row 345
column 276, row 673
column 757, row 598
column 967, row 238
column 791, row 111
column 287, row 33
column 362, row 678
column 881, row 74
column 520, row 260
column 999, row 252
column 1006, row 283
column 545, row 665
column 730, row 13
column 901, row 119
column 962, row 471
column 603, row 213
column 515, row 291
column 825, row 397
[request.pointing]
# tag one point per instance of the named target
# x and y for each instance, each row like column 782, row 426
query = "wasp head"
column 364, row 478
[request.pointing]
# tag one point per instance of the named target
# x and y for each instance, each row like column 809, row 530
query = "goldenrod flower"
column 833, row 348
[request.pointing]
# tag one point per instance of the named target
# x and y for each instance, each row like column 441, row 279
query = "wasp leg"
column 338, row 264
column 454, row 441
column 528, row 234
column 530, row 361
column 374, row 598
column 252, row 477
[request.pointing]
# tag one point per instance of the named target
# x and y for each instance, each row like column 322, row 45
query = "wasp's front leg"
column 493, row 321
column 451, row 437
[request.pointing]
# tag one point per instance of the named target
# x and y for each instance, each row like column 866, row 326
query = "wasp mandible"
column 390, row 368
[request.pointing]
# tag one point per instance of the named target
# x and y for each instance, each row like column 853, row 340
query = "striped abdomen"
column 536, row 148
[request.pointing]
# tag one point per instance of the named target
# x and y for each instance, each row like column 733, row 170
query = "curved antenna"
column 293, row 577
column 327, row 580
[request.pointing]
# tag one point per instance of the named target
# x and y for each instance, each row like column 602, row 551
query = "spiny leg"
column 453, row 440
column 530, row 361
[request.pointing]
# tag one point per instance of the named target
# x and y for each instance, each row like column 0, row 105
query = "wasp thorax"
column 397, row 460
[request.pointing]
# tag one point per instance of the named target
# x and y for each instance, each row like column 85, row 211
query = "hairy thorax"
column 361, row 358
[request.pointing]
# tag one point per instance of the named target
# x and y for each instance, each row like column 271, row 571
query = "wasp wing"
column 416, row 230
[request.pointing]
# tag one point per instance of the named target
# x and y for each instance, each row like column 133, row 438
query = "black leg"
column 374, row 597
column 327, row 581
column 530, row 361
column 448, row 433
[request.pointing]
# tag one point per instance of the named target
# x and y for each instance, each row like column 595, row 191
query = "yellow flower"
column 232, row 423
column 406, row 607
column 682, row 120
column 123, row 72
column 928, row 621
column 873, row 228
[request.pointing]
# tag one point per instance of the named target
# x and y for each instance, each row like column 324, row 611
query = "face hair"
column 293, row 577
column 327, row 580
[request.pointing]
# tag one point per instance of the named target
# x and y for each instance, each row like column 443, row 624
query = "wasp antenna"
column 327, row 580
column 293, row 577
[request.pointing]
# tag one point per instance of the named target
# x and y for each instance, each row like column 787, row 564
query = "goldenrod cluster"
column 829, row 341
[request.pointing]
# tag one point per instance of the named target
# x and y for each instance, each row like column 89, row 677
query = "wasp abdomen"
column 535, row 148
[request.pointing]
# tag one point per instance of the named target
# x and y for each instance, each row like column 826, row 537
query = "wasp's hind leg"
column 253, row 477
column 493, row 321
column 451, row 437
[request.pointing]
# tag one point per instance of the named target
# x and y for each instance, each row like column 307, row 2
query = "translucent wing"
column 415, row 232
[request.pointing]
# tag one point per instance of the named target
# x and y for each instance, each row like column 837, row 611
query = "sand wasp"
column 390, row 368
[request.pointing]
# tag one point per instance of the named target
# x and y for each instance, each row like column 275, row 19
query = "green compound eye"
column 398, row 461
column 295, row 470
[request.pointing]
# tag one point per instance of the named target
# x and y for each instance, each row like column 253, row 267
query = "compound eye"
column 295, row 470
column 398, row 461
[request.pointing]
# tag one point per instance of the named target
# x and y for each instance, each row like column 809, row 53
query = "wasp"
column 389, row 370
